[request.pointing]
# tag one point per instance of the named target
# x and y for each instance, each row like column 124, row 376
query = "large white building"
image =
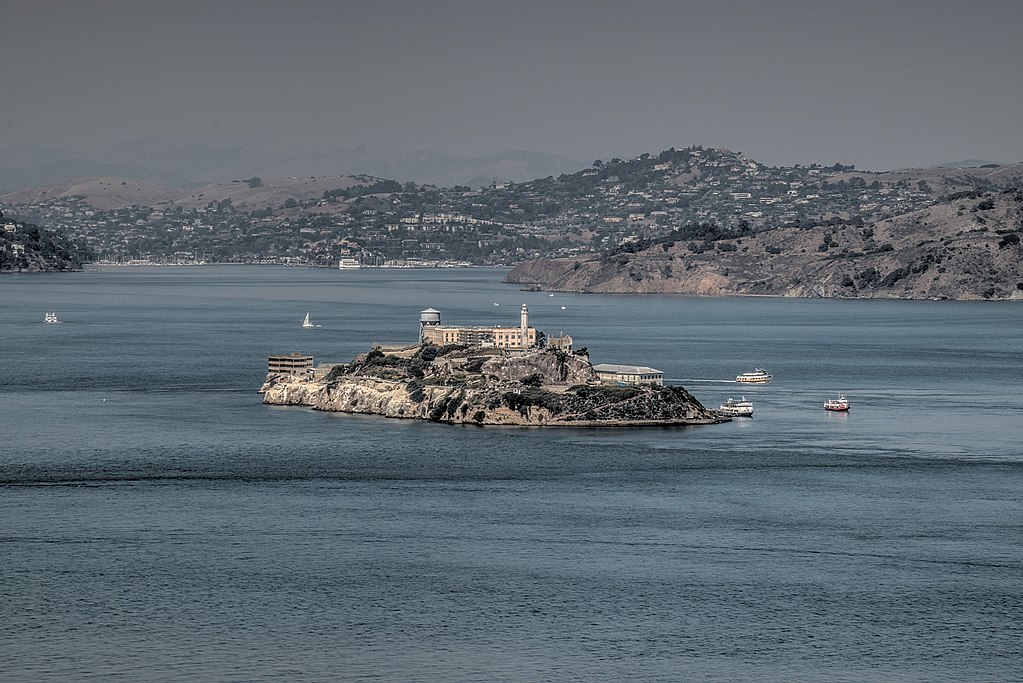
column 431, row 331
column 628, row 374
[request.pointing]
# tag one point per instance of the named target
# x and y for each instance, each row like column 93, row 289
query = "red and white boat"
column 838, row 405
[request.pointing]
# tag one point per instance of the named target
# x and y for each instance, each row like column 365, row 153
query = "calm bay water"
column 158, row 522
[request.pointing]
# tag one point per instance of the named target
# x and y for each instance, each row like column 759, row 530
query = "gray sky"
column 877, row 84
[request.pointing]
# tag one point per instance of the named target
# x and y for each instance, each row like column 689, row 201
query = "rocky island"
column 457, row 385
column 491, row 379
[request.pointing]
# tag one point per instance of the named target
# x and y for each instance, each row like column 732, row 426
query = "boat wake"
column 692, row 380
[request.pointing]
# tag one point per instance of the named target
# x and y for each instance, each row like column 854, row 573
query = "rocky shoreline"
column 967, row 247
column 460, row 385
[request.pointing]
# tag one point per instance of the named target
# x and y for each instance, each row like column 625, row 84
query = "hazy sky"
column 876, row 84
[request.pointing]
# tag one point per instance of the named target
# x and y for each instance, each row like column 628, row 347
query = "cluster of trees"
column 30, row 247
column 377, row 187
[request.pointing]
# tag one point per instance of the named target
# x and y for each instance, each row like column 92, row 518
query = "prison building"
column 295, row 364
column 431, row 331
column 628, row 374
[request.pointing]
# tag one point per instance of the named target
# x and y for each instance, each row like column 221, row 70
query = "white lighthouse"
column 524, row 327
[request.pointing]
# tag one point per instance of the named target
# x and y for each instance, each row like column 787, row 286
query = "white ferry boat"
column 733, row 408
column 757, row 376
column 50, row 318
column 838, row 405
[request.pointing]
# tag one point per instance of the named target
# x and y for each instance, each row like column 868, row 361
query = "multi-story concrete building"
column 295, row 364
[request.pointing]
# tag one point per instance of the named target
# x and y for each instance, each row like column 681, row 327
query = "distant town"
column 370, row 222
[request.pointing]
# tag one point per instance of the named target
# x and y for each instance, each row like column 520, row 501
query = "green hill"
column 25, row 247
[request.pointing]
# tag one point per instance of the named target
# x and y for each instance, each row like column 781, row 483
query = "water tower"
column 428, row 318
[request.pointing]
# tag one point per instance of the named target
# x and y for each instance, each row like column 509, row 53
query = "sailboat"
column 306, row 323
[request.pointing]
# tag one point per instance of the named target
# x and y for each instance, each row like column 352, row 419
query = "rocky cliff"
column 966, row 247
column 459, row 385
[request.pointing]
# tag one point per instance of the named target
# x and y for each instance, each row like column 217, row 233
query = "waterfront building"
column 348, row 263
column 628, row 374
column 294, row 364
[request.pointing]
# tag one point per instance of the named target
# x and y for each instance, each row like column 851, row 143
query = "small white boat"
column 50, row 318
column 838, row 405
column 496, row 304
column 733, row 408
column 757, row 376
column 306, row 322
column 562, row 308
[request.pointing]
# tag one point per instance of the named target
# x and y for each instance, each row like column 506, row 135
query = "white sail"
column 306, row 322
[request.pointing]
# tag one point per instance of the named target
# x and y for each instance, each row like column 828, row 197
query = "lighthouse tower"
column 524, row 327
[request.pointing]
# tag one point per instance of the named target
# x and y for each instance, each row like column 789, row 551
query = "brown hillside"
column 966, row 248
column 272, row 193
column 115, row 193
column 101, row 193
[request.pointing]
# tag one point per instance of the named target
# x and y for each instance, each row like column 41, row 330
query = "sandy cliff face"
column 968, row 247
column 355, row 395
column 455, row 391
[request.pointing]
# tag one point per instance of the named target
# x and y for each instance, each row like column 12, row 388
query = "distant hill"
column 967, row 246
column 967, row 163
column 194, row 164
column 105, row 193
column 943, row 180
column 694, row 220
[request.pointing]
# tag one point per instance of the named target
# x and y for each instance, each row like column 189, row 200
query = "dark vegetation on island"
column 25, row 247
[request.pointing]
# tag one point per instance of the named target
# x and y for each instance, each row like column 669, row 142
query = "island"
column 485, row 376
